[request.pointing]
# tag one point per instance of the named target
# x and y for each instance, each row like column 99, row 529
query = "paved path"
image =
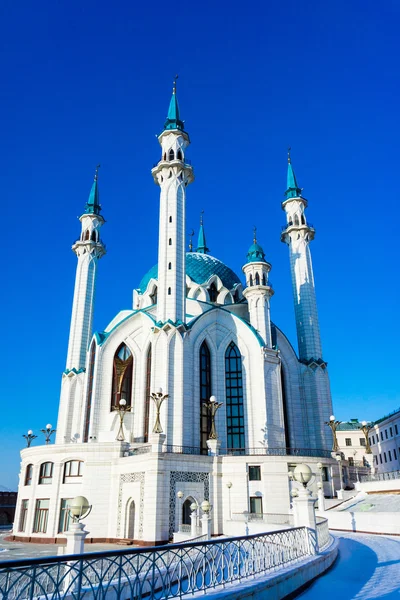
column 368, row 567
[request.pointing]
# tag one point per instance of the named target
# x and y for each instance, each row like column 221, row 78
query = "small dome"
column 199, row 267
column 255, row 253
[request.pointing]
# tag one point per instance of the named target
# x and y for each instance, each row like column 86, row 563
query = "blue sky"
column 87, row 82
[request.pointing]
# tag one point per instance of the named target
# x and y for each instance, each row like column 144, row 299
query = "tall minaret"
column 172, row 174
column 298, row 234
column 89, row 248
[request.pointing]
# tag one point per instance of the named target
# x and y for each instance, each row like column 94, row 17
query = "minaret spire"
column 201, row 242
column 89, row 249
column 172, row 174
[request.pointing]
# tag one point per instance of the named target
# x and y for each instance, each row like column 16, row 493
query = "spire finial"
column 174, row 84
column 191, row 234
column 201, row 243
column 96, row 173
column 201, row 217
column 288, row 155
column 254, row 235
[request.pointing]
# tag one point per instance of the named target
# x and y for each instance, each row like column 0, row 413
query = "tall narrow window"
column 179, row 155
column 46, row 473
column 251, row 279
column 41, row 515
column 264, row 279
column 171, row 155
column 64, row 519
column 257, row 279
column 28, row 475
column 153, row 296
column 122, row 376
column 23, row 515
column 234, row 398
column 89, row 393
column 205, row 394
column 147, row 397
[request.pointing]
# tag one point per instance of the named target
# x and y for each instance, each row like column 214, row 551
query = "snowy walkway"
column 368, row 566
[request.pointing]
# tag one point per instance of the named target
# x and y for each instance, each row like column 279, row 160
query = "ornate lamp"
column 79, row 508
column 29, row 437
column 333, row 424
column 158, row 398
column 48, row 432
column 212, row 407
column 122, row 409
column 365, row 428
column 302, row 474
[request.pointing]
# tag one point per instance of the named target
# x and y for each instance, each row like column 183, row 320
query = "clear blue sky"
column 86, row 82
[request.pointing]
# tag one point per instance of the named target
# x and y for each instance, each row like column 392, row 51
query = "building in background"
column 135, row 418
column 384, row 438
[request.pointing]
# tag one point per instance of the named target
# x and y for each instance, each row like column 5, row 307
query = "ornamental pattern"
column 176, row 476
column 129, row 478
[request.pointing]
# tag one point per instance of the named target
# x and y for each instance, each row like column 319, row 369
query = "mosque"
column 137, row 433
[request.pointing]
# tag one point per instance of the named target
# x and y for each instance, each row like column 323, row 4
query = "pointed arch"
column 154, row 295
column 93, row 236
column 89, row 393
column 251, row 279
column 296, row 220
column 264, row 279
column 234, row 398
column 171, row 154
column 87, row 234
column 205, row 394
column 179, row 155
column 257, row 279
column 147, row 396
column 122, row 376
column 213, row 292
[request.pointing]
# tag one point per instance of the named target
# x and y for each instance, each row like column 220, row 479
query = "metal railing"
column 269, row 518
column 156, row 573
column 310, row 452
column 323, row 537
column 139, row 450
column 291, row 224
column 381, row 476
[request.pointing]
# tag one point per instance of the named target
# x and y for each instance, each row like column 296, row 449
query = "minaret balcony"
column 289, row 227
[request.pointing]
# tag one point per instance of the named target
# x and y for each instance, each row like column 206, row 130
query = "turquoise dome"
column 255, row 253
column 199, row 267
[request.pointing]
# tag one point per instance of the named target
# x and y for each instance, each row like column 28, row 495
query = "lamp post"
column 320, row 486
column 304, row 504
column 206, row 519
column 29, row 438
column 212, row 406
column 193, row 520
column 78, row 508
column 339, row 459
column 333, row 424
column 158, row 398
column 48, row 432
column 122, row 409
column 365, row 428
column 229, row 485
column 179, row 495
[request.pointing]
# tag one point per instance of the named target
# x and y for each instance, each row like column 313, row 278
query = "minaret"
column 173, row 173
column 298, row 234
column 89, row 248
column 258, row 290
column 201, row 241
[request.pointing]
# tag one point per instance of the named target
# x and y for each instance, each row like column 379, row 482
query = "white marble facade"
column 195, row 330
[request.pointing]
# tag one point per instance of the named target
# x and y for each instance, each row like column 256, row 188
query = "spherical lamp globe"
column 205, row 506
column 78, row 507
column 302, row 474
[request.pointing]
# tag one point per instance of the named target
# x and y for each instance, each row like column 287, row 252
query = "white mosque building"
column 196, row 330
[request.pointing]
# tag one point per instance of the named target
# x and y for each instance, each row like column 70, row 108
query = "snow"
column 368, row 567
column 372, row 502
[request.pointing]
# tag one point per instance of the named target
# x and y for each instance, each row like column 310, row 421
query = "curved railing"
column 323, row 536
column 157, row 573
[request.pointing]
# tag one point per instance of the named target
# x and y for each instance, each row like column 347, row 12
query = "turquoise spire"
column 201, row 242
column 293, row 190
column 93, row 205
column 173, row 121
column 255, row 253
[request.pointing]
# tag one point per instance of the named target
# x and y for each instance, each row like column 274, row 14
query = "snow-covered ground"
column 372, row 502
column 368, row 567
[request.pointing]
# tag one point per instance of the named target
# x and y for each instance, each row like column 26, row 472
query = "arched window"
column 169, row 266
column 153, row 295
column 28, row 475
column 73, row 471
column 87, row 234
column 251, row 280
column 257, row 279
column 205, row 394
column 170, row 242
column 303, row 220
column 170, row 219
column 46, row 473
column 93, row 237
column 122, row 376
column 147, row 396
column 186, row 511
column 179, row 155
column 264, row 279
column 234, row 398
column 213, row 292
column 236, row 296
column 165, row 156
column 169, row 291
column 171, row 155
column 296, row 220
column 89, row 393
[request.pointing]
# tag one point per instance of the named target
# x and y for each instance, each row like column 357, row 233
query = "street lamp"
column 333, row 424
column 302, row 474
column 78, row 508
column 229, row 485
column 365, row 428
column 212, row 406
column 48, row 432
column 339, row 459
column 29, row 437
column 122, row 409
column 180, row 496
column 158, row 398
column 320, row 486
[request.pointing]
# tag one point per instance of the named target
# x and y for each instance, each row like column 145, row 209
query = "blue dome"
column 199, row 267
column 255, row 253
